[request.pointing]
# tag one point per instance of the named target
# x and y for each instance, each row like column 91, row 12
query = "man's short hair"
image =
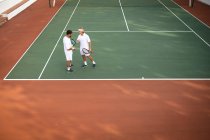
column 81, row 29
column 69, row 32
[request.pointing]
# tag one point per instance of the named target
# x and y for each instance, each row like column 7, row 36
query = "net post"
column 191, row 3
column 52, row 3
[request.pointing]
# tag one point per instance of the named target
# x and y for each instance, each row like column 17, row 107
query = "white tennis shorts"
column 82, row 53
column 68, row 55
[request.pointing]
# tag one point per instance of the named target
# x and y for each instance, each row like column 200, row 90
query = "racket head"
column 73, row 42
column 85, row 51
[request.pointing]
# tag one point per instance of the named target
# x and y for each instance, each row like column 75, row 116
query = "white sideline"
column 191, row 14
column 131, row 79
column 59, row 39
column 149, row 31
column 184, row 23
column 124, row 16
column 33, row 42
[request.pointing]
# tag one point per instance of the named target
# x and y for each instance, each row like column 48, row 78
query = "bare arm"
column 90, row 47
column 72, row 48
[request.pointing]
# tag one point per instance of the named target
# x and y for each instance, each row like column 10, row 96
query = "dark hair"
column 69, row 32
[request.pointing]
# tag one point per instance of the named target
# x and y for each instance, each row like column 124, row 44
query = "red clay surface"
column 100, row 110
column 199, row 10
column 17, row 34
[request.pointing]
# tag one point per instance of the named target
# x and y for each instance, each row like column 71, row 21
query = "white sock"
column 94, row 62
column 85, row 62
column 68, row 68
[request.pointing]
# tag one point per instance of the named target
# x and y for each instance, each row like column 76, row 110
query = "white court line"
column 59, row 39
column 137, row 31
column 190, row 14
column 34, row 41
column 183, row 23
column 131, row 79
column 124, row 16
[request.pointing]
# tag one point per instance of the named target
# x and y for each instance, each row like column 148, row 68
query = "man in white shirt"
column 68, row 48
column 85, row 42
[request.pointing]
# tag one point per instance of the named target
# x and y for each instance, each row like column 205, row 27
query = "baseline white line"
column 34, row 40
column 124, row 16
column 136, row 31
column 184, row 23
column 191, row 14
column 134, row 79
column 58, row 40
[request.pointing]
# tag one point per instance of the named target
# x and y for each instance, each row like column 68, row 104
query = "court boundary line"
column 5, row 78
column 184, row 23
column 191, row 14
column 110, row 31
column 124, row 16
column 58, row 40
column 149, row 31
column 131, row 79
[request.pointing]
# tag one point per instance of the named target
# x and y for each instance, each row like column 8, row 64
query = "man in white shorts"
column 85, row 42
column 68, row 48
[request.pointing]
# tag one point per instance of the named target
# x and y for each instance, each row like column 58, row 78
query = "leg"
column 84, row 60
column 91, row 59
column 68, row 63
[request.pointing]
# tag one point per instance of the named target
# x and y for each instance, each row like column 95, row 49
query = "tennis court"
column 154, row 39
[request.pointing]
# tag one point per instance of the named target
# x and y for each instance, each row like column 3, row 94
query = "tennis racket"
column 52, row 3
column 73, row 42
column 85, row 51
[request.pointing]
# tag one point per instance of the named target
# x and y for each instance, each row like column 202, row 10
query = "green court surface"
column 154, row 39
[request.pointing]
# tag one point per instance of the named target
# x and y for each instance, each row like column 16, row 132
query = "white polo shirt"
column 67, row 45
column 84, row 40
